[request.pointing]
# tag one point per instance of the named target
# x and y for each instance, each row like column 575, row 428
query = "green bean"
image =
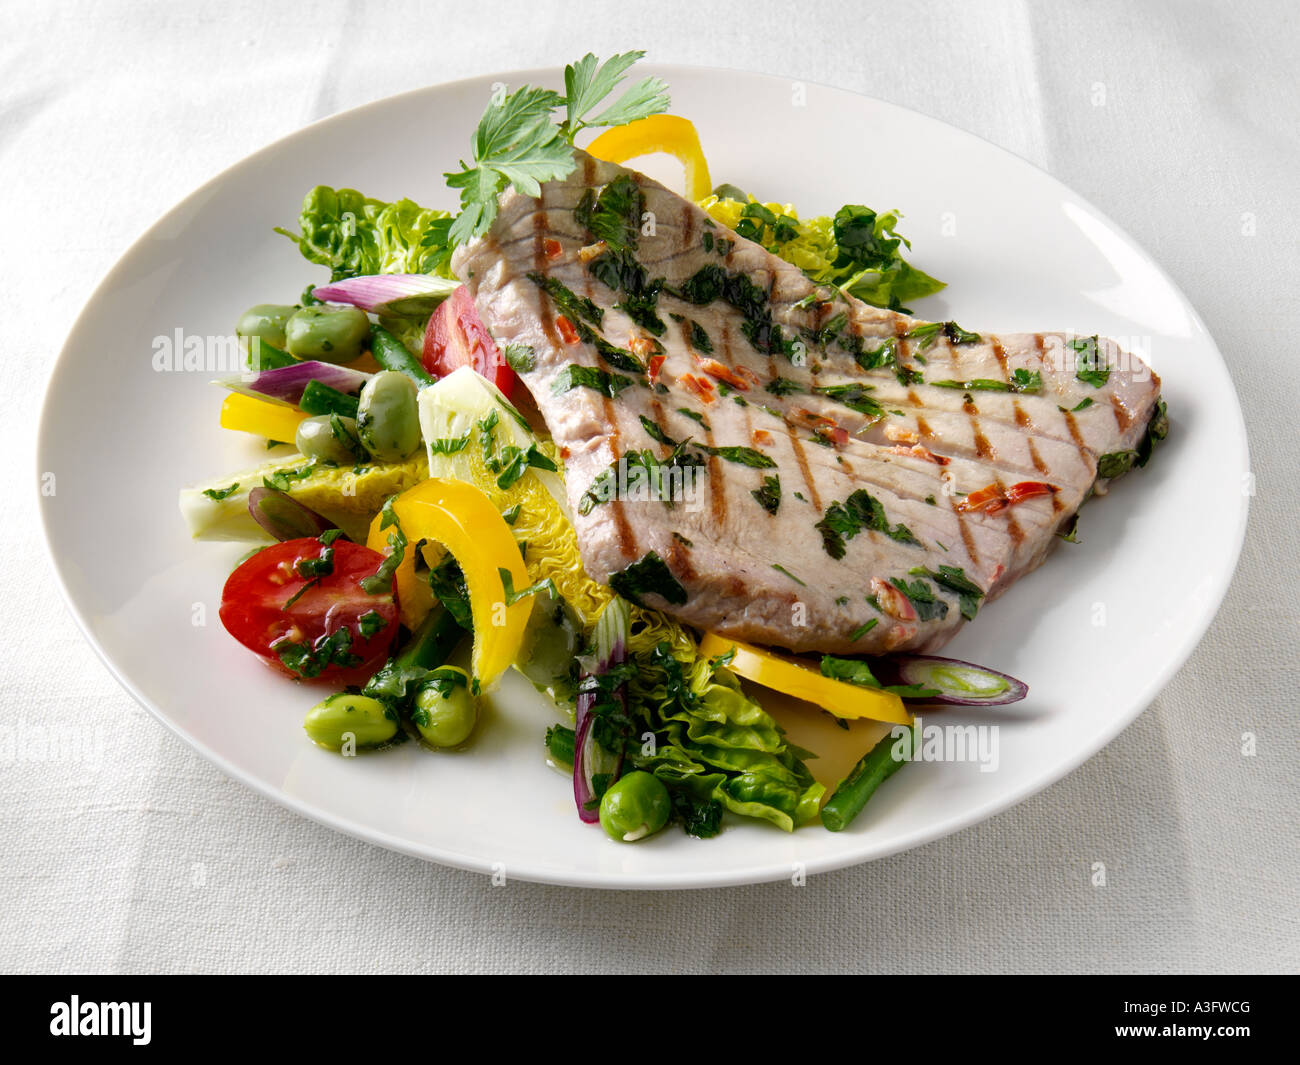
column 318, row 398
column 392, row 354
column 852, row 793
column 263, row 355
column 368, row 722
column 560, row 744
column 388, row 416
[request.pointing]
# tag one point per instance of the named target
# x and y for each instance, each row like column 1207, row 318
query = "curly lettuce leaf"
column 355, row 235
column 858, row 250
column 714, row 744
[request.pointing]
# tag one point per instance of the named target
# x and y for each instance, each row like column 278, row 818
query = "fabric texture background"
column 152, row 860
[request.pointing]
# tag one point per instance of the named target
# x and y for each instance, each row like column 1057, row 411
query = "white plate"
column 1096, row 632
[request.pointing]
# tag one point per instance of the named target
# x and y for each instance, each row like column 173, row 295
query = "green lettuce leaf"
column 354, row 235
column 858, row 250
column 713, row 744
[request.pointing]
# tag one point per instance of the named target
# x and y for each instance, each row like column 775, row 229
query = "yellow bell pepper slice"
column 275, row 421
column 804, row 682
column 464, row 520
column 659, row 133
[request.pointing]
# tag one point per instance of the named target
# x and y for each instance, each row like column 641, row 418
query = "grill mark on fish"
column 802, row 460
column 1013, row 527
column 679, row 560
column 967, row 540
column 717, row 489
column 627, row 542
column 688, row 224
column 1084, row 451
column 1122, row 417
column 1000, row 354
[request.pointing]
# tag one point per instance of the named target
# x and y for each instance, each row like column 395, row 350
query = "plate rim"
column 545, row 873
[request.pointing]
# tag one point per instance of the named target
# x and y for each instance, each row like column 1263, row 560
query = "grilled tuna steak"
column 772, row 460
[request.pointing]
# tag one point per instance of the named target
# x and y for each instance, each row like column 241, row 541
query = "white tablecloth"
column 1181, row 120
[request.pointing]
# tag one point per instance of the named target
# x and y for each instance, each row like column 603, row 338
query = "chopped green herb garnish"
column 929, row 332
column 922, row 598
column 371, row 622
column 782, row 386
column 1089, row 366
column 852, row 396
column 218, row 494
column 449, row 445
column 333, row 649
column 860, row 511
column 744, row 456
column 955, row 580
column 648, row 576
column 769, row 495
column 520, row 357
column 381, row 581
column 863, row 629
column 699, row 338
column 782, row 569
column 575, row 376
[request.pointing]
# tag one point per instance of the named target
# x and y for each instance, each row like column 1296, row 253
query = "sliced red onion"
column 589, row 757
column 283, row 516
column 285, row 384
column 958, row 683
column 407, row 295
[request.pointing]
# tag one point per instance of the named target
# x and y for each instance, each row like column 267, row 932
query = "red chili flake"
column 641, row 345
column 920, row 451
column 700, row 386
column 567, row 333
column 1029, row 489
column 552, row 248
column 725, row 373
column 655, row 364
column 989, row 497
column 762, row 436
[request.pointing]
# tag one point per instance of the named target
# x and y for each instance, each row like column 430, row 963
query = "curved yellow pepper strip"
column 462, row 519
column 804, row 682
column 659, row 133
column 275, row 421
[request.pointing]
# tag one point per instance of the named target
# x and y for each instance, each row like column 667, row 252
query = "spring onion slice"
column 401, row 295
column 958, row 683
column 285, row 384
column 589, row 757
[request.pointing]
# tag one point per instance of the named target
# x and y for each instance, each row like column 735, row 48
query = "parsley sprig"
column 517, row 143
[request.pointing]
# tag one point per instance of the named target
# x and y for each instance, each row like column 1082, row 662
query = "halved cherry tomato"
column 456, row 337
column 302, row 636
